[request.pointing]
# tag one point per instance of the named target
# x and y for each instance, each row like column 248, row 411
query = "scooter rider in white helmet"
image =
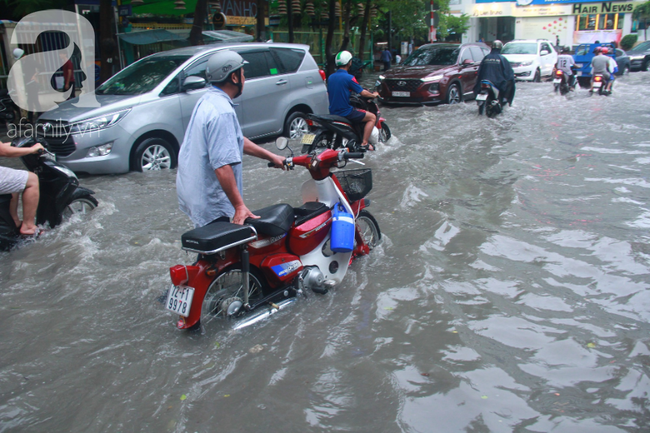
column 209, row 180
column 339, row 86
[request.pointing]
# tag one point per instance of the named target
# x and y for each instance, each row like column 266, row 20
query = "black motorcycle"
column 9, row 111
column 563, row 83
column 60, row 194
column 334, row 132
column 488, row 100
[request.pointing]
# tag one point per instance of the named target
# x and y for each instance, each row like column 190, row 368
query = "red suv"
column 433, row 73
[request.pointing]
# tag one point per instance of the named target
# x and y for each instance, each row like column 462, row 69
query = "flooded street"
column 511, row 292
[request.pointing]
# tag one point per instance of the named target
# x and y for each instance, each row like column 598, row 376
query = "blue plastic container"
column 342, row 230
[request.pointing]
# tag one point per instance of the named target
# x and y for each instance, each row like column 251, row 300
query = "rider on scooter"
column 496, row 69
column 15, row 182
column 600, row 64
column 339, row 85
column 565, row 63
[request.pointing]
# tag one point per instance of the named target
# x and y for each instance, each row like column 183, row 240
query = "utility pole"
column 106, row 38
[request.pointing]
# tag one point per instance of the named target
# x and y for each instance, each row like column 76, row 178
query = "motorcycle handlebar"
column 353, row 155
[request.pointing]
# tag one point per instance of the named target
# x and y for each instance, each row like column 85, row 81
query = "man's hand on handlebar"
column 278, row 162
column 37, row 148
column 368, row 94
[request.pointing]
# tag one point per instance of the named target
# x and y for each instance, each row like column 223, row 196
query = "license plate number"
column 307, row 138
column 179, row 300
column 481, row 97
column 557, row 81
column 401, row 94
column 597, row 84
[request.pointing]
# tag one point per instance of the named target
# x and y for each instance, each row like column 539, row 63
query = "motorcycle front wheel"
column 80, row 206
column 225, row 297
column 368, row 228
column 384, row 133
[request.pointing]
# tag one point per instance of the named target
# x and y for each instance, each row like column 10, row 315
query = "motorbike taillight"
column 484, row 86
column 598, row 78
column 310, row 123
column 179, row 275
column 558, row 72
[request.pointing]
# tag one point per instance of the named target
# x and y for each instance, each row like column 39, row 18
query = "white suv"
column 530, row 59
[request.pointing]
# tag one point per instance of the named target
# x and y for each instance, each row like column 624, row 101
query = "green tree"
column 642, row 13
column 17, row 9
column 450, row 24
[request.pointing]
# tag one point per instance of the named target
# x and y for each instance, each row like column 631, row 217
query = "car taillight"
column 322, row 74
column 179, row 274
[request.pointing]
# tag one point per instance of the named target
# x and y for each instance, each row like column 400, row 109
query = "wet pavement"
column 510, row 292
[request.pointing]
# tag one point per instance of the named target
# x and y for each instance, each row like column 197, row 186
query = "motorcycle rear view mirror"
column 281, row 143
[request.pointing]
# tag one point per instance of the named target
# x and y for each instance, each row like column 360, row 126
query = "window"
column 197, row 69
column 466, row 55
column 545, row 47
column 289, row 59
column 599, row 22
column 142, row 76
column 260, row 64
column 477, row 54
column 432, row 56
column 520, row 48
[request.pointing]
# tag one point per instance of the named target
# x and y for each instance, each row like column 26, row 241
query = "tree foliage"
column 17, row 9
column 642, row 13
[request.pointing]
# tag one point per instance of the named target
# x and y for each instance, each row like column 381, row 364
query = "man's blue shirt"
column 339, row 85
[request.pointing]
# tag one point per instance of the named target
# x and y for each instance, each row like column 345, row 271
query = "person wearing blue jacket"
column 496, row 69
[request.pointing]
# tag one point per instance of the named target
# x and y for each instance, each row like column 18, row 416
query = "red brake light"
column 322, row 74
column 597, row 78
column 179, row 275
column 558, row 72
column 484, row 86
column 310, row 122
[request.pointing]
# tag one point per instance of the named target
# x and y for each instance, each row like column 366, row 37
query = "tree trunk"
column 261, row 18
column 106, row 37
column 200, row 13
column 364, row 27
column 328, row 41
column 346, row 26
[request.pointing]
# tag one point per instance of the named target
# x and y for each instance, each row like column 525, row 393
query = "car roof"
column 450, row 45
column 199, row 49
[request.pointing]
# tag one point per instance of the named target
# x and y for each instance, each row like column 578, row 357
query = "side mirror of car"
column 544, row 53
column 468, row 62
column 193, row 82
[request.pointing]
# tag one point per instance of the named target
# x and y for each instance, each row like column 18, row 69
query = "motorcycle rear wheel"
column 369, row 229
column 225, row 293
column 481, row 106
column 492, row 110
column 323, row 140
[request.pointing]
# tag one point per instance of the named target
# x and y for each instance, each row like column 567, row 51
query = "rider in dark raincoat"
column 496, row 69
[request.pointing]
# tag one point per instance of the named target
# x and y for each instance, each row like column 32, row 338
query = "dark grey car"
column 640, row 56
column 145, row 108
column 623, row 62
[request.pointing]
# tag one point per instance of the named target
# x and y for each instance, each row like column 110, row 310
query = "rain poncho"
column 496, row 69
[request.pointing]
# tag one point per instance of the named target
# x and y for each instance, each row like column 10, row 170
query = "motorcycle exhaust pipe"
column 262, row 314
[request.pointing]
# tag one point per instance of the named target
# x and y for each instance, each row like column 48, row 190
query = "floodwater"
column 510, row 293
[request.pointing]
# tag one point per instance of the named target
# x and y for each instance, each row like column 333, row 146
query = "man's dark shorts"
column 356, row 115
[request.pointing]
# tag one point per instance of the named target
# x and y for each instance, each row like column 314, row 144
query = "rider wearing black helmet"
column 496, row 69
column 565, row 63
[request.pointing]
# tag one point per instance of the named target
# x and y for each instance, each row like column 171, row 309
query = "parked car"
column 623, row 62
column 145, row 108
column 531, row 59
column 640, row 56
column 433, row 73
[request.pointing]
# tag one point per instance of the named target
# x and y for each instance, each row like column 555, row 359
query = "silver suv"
column 145, row 108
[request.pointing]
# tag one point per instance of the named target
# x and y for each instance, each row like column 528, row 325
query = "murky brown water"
column 510, row 293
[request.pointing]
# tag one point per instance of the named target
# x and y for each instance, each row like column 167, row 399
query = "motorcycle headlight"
column 434, row 78
column 97, row 123
column 66, row 170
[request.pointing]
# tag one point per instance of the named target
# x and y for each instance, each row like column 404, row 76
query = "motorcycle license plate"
column 307, row 138
column 179, row 300
column 557, row 81
column 401, row 94
column 597, row 84
column 579, row 74
column 481, row 97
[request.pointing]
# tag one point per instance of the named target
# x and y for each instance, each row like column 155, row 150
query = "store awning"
column 226, row 36
column 150, row 37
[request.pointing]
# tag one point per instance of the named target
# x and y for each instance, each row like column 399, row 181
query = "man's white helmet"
column 18, row 53
column 222, row 64
column 343, row 58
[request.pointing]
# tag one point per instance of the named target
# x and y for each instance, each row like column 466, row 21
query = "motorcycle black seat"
column 274, row 220
column 214, row 236
column 331, row 118
column 309, row 210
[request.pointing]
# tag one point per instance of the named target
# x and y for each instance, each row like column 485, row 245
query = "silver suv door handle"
column 281, row 82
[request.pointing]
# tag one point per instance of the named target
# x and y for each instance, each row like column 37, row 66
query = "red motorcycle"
column 284, row 253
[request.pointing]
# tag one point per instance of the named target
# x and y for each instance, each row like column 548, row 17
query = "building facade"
column 563, row 22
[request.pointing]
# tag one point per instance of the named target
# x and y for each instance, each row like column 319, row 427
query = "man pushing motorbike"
column 496, row 69
column 339, row 86
column 209, row 181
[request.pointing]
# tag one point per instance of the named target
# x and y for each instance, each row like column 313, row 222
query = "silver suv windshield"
column 142, row 76
column 520, row 48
